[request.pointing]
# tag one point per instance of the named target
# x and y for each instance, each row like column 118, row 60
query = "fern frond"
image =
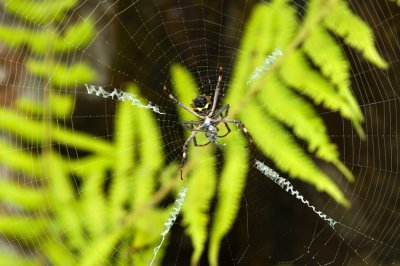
column 14, row 158
column 39, row 42
column 34, row 131
column 59, row 105
column 168, row 173
column 285, row 23
column 62, row 75
column 14, row 259
column 279, row 101
column 255, row 45
column 23, row 228
column 125, row 155
column 296, row 72
column 93, row 202
column 123, row 256
column 84, row 166
column 63, row 202
column 76, row 36
column 57, row 253
column 99, row 250
column 230, row 189
column 144, row 256
column 148, row 234
column 202, row 179
column 355, row 32
column 325, row 52
column 201, row 187
column 44, row 41
column 278, row 144
column 150, row 151
column 29, row 198
column 40, row 12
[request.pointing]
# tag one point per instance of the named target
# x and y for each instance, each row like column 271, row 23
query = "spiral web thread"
column 288, row 187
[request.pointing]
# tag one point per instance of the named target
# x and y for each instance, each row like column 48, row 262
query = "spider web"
column 137, row 41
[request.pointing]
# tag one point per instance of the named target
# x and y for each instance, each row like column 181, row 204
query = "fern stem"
column 302, row 34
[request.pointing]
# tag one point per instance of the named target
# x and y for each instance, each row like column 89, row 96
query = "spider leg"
column 243, row 128
column 184, row 148
column 200, row 145
column 228, row 129
column 172, row 97
column 223, row 113
column 190, row 124
column 220, row 112
column 217, row 88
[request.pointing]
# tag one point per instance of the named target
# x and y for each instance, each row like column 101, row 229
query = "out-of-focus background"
column 90, row 175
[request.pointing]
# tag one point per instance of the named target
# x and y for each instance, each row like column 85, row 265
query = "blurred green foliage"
column 83, row 225
column 102, row 208
column 49, row 39
column 63, row 223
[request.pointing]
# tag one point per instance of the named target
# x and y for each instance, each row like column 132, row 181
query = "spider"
column 209, row 119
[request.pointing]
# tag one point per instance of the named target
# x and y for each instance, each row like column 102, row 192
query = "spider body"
column 209, row 119
column 201, row 105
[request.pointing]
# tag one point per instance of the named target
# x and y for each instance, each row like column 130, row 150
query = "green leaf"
column 124, row 164
column 150, row 149
column 59, row 106
column 231, row 186
column 24, row 228
column 94, row 203
column 278, row 144
column 279, row 100
column 76, row 36
column 254, row 46
column 44, row 42
column 63, row 201
column 355, row 32
column 145, row 256
column 325, row 52
column 11, row 258
column 99, row 250
column 149, row 234
column 62, row 75
column 57, row 253
column 296, row 72
column 40, row 12
column 285, row 24
column 20, row 195
column 14, row 158
column 201, row 189
column 34, row 131
column 40, row 42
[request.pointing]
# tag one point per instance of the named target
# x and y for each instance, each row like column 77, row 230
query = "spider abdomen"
column 202, row 105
